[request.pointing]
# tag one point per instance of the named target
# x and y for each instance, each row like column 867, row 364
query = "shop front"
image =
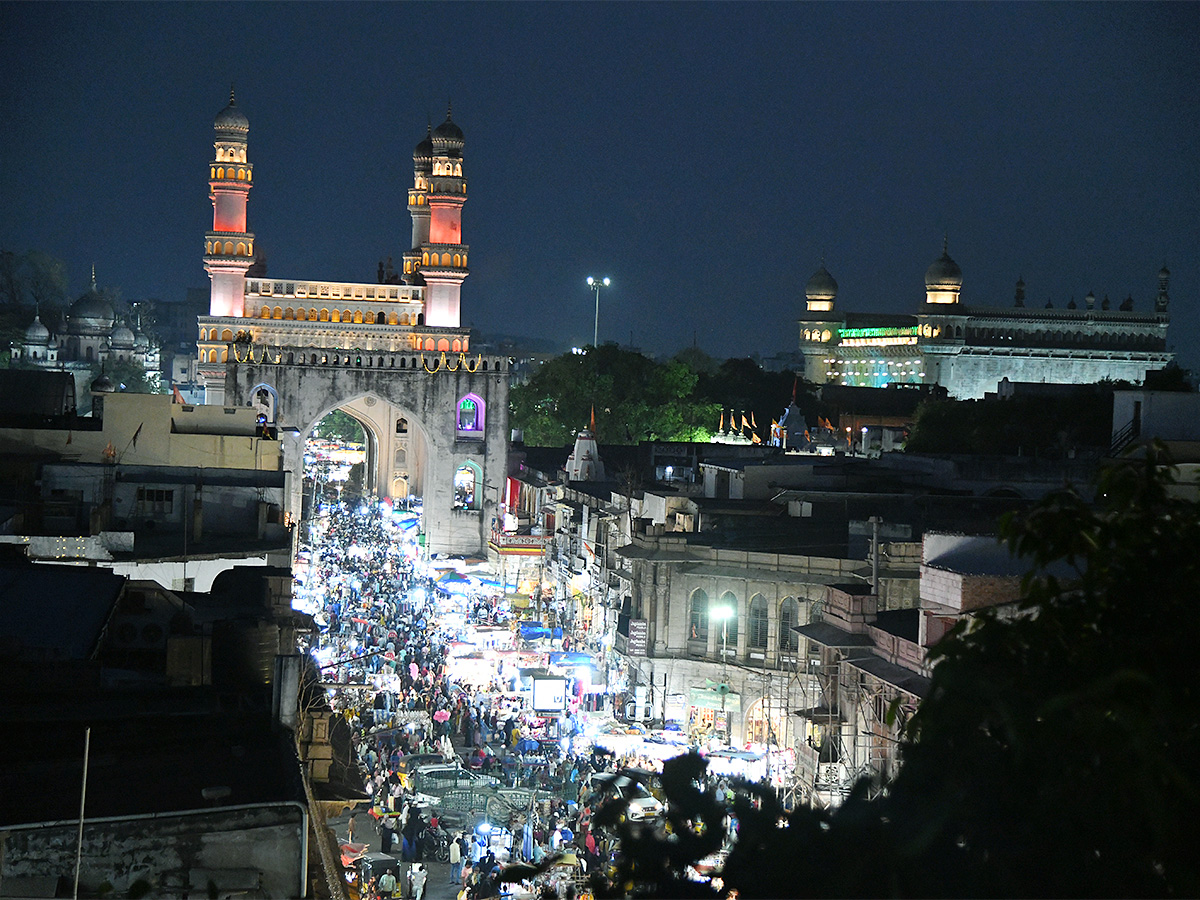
column 712, row 716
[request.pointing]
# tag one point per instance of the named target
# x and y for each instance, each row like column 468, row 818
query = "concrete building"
column 194, row 776
column 146, row 487
column 968, row 349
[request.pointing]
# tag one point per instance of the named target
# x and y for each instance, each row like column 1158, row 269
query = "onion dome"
column 447, row 138
column 121, row 338
column 944, row 274
column 821, row 286
column 1164, row 272
column 424, row 150
column 231, row 123
column 103, row 385
column 91, row 313
column 141, row 343
column 448, row 130
column 423, row 153
column 37, row 334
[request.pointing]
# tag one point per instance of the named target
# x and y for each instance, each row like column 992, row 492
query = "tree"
column 340, row 426
column 130, row 376
column 634, row 398
column 1056, row 753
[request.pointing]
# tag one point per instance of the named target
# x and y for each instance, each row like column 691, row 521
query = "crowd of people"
column 381, row 626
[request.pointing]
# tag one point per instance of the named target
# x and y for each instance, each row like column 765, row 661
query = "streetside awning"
column 897, row 676
column 818, row 714
column 832, row 636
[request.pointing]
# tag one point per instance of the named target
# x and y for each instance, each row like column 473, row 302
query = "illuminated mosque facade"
column 970, row 349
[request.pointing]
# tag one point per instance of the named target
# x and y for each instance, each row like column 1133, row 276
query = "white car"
column 642, row 805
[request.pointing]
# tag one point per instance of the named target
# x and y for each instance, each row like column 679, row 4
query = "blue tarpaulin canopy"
column 532, row 631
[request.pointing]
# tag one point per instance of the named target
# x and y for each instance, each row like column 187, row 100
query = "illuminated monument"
column 969, row 349
column 391, row 353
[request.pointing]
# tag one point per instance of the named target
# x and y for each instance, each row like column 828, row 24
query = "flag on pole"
column 721, row 427
column 745, row 422
column 753, row 424
column 176, row 397
column 755, row 439
column 135, row 436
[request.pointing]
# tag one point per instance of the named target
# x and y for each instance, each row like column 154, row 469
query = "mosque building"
column 91, row 333
column 969, row 349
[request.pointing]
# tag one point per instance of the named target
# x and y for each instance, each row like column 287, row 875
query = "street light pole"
column 595, row 284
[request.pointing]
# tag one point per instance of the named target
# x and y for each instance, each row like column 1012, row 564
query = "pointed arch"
column 789, row 618
column 468, row 479
column 756, row 639
column 698, row 616
column 729, row 625
column 469, row 417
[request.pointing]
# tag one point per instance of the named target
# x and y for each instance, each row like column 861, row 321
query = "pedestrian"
column 350, row 830
column 418, row 876
column 387, row 884
column 455, row 862
column 387, row 835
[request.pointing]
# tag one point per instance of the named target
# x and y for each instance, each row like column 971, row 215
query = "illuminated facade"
column 391, row 353
column 969, row 349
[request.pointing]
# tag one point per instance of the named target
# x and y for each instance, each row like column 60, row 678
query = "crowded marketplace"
column 481, row 752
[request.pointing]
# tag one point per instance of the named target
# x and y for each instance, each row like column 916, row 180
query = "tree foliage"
column 130, row 376
column 340, row 426
column 1055, row 755
column 636, row 398
column 1033, row 426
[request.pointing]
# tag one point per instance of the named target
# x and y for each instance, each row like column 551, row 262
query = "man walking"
column 387, row 884
column 455, row 862
column 418, row 881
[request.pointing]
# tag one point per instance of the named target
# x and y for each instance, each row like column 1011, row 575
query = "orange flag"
column 721, row 427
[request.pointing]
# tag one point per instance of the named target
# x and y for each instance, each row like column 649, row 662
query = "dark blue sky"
column 706, row 157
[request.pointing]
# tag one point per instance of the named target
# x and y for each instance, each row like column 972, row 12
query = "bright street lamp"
column 724, row 613
column 595, row 284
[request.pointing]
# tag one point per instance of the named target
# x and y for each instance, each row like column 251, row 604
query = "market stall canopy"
column 571, row 658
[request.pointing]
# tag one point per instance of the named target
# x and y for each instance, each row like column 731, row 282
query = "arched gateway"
column 391, row 353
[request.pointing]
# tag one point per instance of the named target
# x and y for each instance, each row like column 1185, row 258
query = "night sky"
column 705, row 157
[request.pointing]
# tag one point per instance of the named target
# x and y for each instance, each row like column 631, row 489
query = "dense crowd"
column 381, row 627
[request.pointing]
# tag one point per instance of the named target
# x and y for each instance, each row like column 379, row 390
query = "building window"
column 698, row 617
column 729, row 631
column 470, row 416
column 466, row 487
column 789, row 618
column 154, row 502
column 758, row 622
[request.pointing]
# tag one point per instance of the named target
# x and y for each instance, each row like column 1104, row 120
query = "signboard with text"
column 639, row 637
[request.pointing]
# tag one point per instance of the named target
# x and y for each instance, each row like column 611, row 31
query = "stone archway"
column 425, row 390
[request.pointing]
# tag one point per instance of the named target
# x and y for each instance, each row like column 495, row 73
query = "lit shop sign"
column 549, row 694
column 877, row 337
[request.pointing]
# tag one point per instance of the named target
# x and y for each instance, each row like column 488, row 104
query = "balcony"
column 512, row 544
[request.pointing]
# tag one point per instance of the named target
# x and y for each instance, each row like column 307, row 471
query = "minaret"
column 943, row 278
column 443, row 259
column 1162, row 301
column 418, row 207
column 229, row 247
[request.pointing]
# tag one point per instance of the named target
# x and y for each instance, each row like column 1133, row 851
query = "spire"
column 593, row 419
column 447, row 110
column 946, row 242
column 232, row 98
column 93, row 276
